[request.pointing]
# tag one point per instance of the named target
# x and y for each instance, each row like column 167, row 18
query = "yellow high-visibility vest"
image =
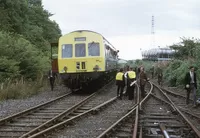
column 131, row 74
column 119, row 76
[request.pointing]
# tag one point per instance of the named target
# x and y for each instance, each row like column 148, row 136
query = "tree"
column 25, row 36
column 186, row 49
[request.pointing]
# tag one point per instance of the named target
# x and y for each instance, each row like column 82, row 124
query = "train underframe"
column 87, row 81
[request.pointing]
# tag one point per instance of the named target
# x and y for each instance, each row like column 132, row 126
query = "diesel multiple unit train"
column 85, row 58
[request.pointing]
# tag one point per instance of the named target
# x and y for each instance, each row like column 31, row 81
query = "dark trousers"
column 130, row 92
column 159, row 81
column 52, row 79
column 188, row 96
column 142, row 90
column 120, row 89
column 152, row 74
column 126, row 93
column 193, row 89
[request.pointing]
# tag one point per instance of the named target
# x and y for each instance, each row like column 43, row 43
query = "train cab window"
column 66, row 50
column 80, row 50
column 93, row 49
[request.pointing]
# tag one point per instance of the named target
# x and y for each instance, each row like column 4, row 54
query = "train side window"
column 106, row 51
column 93, row 49
column 66, row 50
column 80, row 50
column 111, row 54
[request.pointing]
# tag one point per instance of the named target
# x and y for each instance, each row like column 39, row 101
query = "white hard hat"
column 187, row 86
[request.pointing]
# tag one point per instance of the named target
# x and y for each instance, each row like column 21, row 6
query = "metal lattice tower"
column 152, row 33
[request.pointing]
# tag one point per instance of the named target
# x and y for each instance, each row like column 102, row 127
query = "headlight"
column 96, row 67
column 65, row 68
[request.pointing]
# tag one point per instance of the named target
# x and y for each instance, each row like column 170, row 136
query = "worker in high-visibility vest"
column 131, row 77
column 120, row 82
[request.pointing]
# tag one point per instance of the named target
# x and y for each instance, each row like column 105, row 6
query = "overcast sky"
column 127, row 23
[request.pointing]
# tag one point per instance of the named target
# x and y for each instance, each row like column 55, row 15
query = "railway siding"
column 29, row 121
column 93, row 124
column 160, row 113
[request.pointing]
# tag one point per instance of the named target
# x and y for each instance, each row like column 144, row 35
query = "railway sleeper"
column 14, row 134
column 38, row 117
column 155, row 117
column 35, row 124
column 158, row 120
column 172, row 131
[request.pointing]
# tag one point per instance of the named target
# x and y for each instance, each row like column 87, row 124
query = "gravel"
column 13, row 106
column 94, row 125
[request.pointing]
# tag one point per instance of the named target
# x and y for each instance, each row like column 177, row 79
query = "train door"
column 54, row 57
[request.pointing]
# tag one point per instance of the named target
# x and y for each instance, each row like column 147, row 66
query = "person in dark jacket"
column 51, row 77
column 160, row 78
column 143, row 80
column 152, row 71
column 191, row 84
column 120, row 82
column 138, row 72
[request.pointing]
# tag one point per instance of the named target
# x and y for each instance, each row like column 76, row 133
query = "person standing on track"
column 152, row 71
column 51, row 77
column 160, row 75
column 131, row 77
column 160, row 78
column 143, row 80
column 138, row 72
column 191, row 84
column 120, row 82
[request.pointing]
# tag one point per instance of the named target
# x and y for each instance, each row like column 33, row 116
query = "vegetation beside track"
column 26, row 32
column 187, row 53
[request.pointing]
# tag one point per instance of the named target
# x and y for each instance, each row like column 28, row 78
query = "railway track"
column 124, row 127
column 87, row 125
column 11, row 126
column 90, row 123
column 192, row 113
column 156, row 117
column 180, row 100
column 28, row 122
column 180, row 125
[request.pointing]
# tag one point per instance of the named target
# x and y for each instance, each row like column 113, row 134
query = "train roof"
column 96, row 33
column 85, row 31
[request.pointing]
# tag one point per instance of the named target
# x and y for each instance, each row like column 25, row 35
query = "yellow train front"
column 85, row 58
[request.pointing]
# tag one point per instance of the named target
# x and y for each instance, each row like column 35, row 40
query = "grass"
column 18, row 89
